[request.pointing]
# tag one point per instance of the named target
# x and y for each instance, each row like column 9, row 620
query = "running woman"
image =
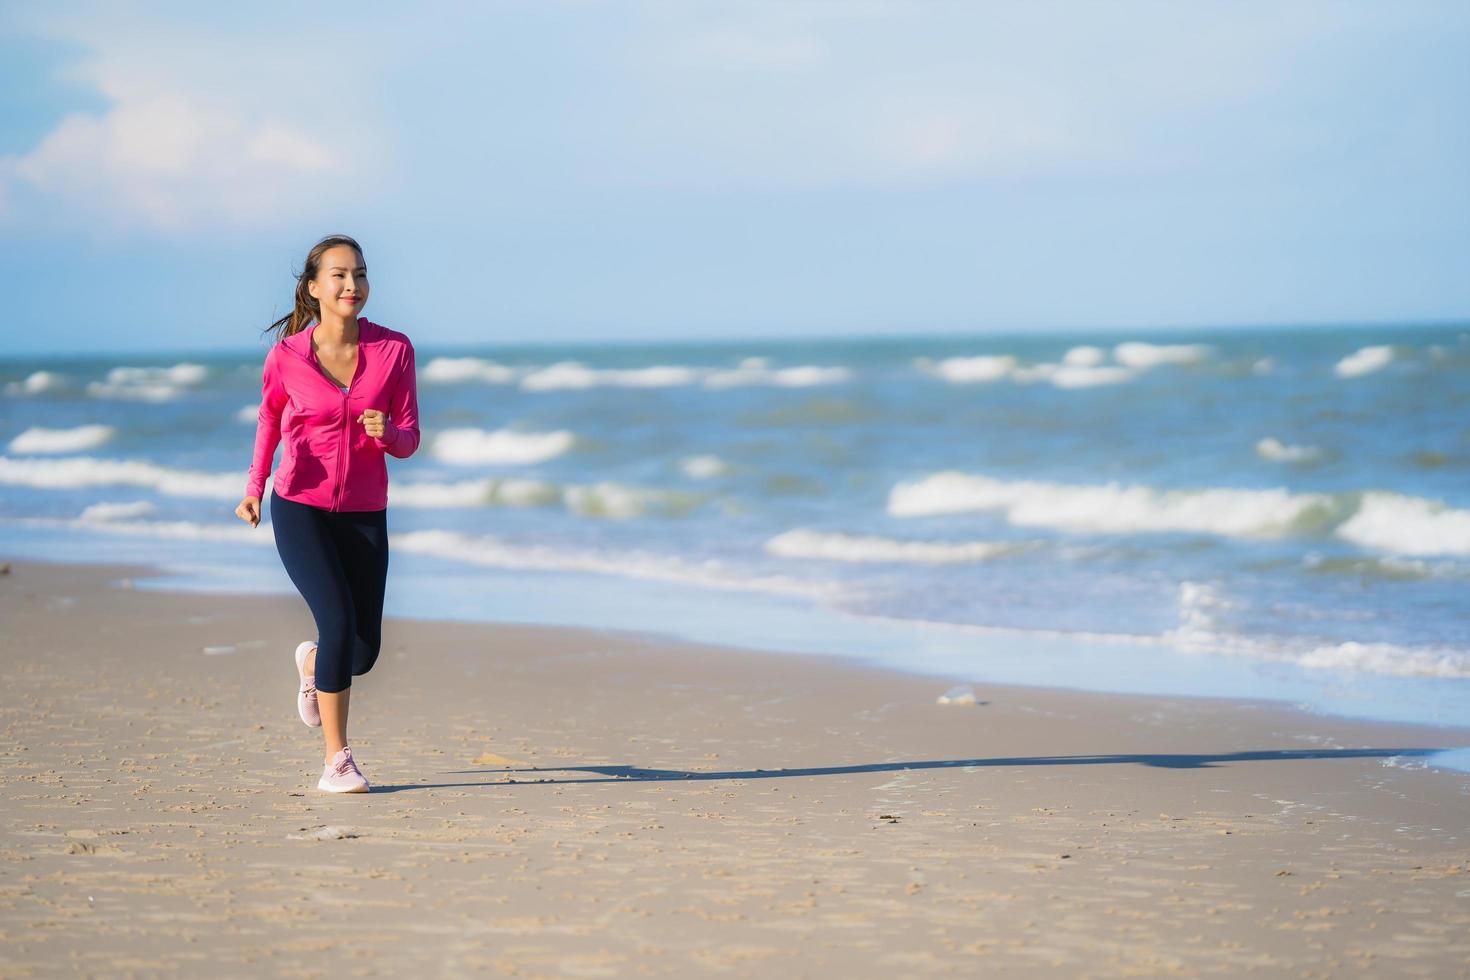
column 340, row 392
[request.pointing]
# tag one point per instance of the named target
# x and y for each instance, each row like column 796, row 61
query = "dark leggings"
column 338, row 561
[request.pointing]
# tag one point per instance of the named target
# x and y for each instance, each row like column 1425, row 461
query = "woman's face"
column 341, row 283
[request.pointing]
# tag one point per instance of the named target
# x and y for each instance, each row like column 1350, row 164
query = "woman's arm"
column 401, row 429
column 267, row 426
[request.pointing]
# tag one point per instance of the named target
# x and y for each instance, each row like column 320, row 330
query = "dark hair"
column 307, row 308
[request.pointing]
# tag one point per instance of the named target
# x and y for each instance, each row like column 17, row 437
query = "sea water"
column 1278, row 513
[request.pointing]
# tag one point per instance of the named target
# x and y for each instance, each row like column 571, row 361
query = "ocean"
column 1280, row 514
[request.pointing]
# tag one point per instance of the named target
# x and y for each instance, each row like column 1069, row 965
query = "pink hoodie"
column 330, row 461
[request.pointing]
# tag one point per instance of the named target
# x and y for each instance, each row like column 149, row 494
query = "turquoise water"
column 1280, row 513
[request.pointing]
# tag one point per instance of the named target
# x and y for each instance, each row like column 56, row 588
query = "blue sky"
column 588, row 170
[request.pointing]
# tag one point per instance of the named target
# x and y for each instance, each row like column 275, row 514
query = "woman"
column 340, row 391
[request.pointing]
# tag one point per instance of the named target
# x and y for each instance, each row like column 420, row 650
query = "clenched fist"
column 249, row 511
column 372, row 420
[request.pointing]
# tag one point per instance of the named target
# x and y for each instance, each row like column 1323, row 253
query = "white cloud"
column 203, row 130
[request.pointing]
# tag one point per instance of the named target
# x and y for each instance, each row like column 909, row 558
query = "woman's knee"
column 364, row 655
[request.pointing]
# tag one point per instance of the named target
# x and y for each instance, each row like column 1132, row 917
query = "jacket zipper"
column 346, row 445
column 343, row 446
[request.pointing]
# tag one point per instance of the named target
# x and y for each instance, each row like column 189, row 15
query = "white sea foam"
column 89, row 471
column 107, row 511
column 1084, row 356
column 154, row 384
column 470, row 447
column 455, row 370
column 36, row 383
column 1388, row 658
column 1137, row 354
column 1407, row 525
column 496, row 553
column 702, row 467
column 1273, row 449
column 1200, row 630
column 103, row 520
column 1198, row 604
column 988, row 368
column 1363, row 361
column 573, row 374
column 1263, row 366
column 615, row 500
column 137, row 393
column 830, row 546
column 178, row 374
column 248, row 413
column 966, row 370
column 484, row 492
column 756, row 371
column 606, row 499
column 75, row 440
column 1118, row 509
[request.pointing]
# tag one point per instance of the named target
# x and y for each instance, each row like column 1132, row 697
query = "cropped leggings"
column 338, row 561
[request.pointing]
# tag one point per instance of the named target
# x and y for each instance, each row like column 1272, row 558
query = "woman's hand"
column 249, row 511
column 372, row 420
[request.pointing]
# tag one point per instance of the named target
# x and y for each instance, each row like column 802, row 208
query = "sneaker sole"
column 355, row 789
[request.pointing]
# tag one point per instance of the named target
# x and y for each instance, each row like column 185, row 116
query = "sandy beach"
column 551, row 802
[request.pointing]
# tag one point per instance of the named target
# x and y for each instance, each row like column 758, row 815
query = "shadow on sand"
column 612, row 773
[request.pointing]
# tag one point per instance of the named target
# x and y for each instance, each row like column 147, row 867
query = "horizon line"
column 787, row 339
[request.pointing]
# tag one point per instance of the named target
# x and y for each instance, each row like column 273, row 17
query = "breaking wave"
column 1377, row 520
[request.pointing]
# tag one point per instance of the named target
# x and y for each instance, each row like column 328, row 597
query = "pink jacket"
column 330, row 461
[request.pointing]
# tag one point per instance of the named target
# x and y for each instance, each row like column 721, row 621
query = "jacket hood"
column 299, row 343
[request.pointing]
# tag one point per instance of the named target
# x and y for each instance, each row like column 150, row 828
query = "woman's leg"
column 308, row 551
column 362, row 541
column 334, row 721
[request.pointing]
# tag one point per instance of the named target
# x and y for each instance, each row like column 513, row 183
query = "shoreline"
column 1144, row 666
column 553, row 800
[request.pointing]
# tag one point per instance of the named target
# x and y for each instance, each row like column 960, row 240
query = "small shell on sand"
column 330, row 832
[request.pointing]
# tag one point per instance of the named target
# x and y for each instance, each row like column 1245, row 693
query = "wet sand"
column 553, row 802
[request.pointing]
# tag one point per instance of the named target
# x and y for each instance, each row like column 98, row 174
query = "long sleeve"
column 401, row 429
column 267, row 426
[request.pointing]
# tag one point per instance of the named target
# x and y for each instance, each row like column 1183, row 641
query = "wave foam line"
column 153, row 384
column 481, row 550
column 472, row 447
column 493, row 552
column 1373, row 519
column 37, row 383
column 89, row 471
column 1115, row 508
column 1365, row 360
column 1406, row 525
column 1275, row 450
column 39, row 440
column 566, row 375
column 833, row 546
column 606, row 498
column 1199, row 606
column 457, row 370
column 1081, row 367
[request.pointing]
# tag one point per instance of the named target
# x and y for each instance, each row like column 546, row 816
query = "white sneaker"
column 341, row 775
column 306, row 703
